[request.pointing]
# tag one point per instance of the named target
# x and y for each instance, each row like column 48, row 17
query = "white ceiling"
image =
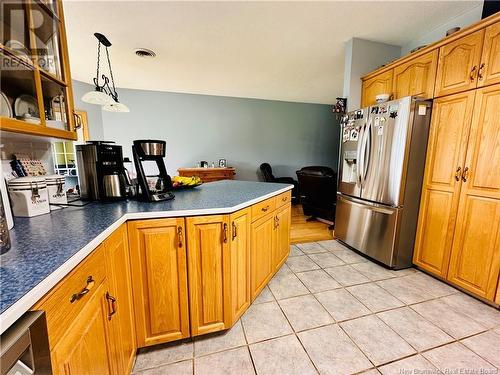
column 291, row 51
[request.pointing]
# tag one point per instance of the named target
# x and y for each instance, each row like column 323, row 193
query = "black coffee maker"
column 158, row 187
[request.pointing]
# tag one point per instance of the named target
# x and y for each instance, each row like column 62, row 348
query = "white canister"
column 56, row 190
column 28, row 196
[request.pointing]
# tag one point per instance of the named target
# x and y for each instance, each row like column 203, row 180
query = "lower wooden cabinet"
column 159, row 274
column 119, row 299
column 261, row 253
column 84, row 349
column 281, row 248
column 240, row 262
column 209, row 271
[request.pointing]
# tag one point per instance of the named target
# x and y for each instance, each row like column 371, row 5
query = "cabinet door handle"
column 457, row 174
column 464, row 175
column 111, row 299
column 480, row 72
column 284, row 199
column 234, row 231
column 472, row 73
column 76, row 296
column 224, row 233
column 265, row 208
column 180, row 236
column 277, row 221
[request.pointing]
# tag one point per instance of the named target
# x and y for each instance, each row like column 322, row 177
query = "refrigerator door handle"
column 358, row 155
column 362, row 153
column 372, row 206
column 367, row 152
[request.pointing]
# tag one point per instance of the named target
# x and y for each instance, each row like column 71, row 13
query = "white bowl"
column 382, row 98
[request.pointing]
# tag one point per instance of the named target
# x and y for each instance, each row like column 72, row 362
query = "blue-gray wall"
column 246, row 132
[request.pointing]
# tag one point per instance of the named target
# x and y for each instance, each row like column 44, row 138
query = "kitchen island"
column 224, row 240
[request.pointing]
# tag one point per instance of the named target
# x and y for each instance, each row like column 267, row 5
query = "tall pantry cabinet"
column 458, row 235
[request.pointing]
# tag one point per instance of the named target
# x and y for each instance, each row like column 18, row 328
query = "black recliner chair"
column 267, row 173
column 318, row 192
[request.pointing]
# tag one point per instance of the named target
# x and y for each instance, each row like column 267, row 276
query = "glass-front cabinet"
column 35, row 84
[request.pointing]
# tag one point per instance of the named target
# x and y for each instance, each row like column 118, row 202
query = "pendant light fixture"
column 104, row 94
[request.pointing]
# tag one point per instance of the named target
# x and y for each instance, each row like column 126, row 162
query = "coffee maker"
column 154, row 188
column 101, row 172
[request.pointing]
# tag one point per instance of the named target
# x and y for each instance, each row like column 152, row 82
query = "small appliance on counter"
column 101, row 171
column 55, row 188
column 154, row 188
column 29, row 196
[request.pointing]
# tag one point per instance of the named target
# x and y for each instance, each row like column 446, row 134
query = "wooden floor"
column 303, row 231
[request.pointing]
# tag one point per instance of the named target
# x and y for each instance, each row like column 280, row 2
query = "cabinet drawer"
column 65, row 301
column 262, row 208
column 283, row 198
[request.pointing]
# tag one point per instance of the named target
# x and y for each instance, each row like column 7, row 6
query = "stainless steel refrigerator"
column 381, row 166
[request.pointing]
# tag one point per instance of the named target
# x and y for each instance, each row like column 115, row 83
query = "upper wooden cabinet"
column 380, row 84
column 416, row 77
column 446, row 150
column 459, row 64
column 240, row 262
column 159, row 273
column 119, row 298
column 35, row 69
column 489, row 69
column 208, row 240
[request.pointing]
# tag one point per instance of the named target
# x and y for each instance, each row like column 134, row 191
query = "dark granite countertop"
column 44, row 244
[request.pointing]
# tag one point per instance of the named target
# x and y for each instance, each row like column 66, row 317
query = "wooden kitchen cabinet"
column 489, row 69
column 209, row 266
column 458, row 64
column 240, row 262
column 119, row 296
column 261, row 252
column 159, row 274
column 475, row 257
column 447, row 146
column 380, row 84
column 84, row 348
column 416, row 77
column 281, row 248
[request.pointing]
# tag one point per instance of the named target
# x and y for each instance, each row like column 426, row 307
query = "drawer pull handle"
column 84, row 291
column 224, row 238
column 111, row 299
column 234, row 231
column 284, row 199
column 457, row 174
column 179, row 235
column 265, row 208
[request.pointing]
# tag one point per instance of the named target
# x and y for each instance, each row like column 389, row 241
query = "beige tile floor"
column 329, row 310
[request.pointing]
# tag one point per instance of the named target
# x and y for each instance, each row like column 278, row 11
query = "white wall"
column 246, row 132
column 361, row 57
column 428, row 37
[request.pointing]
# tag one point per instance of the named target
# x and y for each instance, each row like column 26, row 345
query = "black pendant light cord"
column 114, row 93
column 105, row 85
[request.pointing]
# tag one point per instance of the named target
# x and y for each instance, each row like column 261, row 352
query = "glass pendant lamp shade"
column 116, row 107
column 97, row 97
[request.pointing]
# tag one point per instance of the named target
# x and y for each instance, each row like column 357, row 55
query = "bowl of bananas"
column 180, row 183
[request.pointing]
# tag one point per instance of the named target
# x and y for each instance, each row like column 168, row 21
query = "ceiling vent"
column 144, row 52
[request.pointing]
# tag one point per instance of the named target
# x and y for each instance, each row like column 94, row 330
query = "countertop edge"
column 16, row 310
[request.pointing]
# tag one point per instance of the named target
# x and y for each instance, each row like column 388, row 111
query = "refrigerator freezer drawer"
column 369, row 228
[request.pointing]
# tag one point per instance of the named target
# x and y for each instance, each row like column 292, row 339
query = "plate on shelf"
column 5, row 108
column 18, row 48
column 26, row 107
